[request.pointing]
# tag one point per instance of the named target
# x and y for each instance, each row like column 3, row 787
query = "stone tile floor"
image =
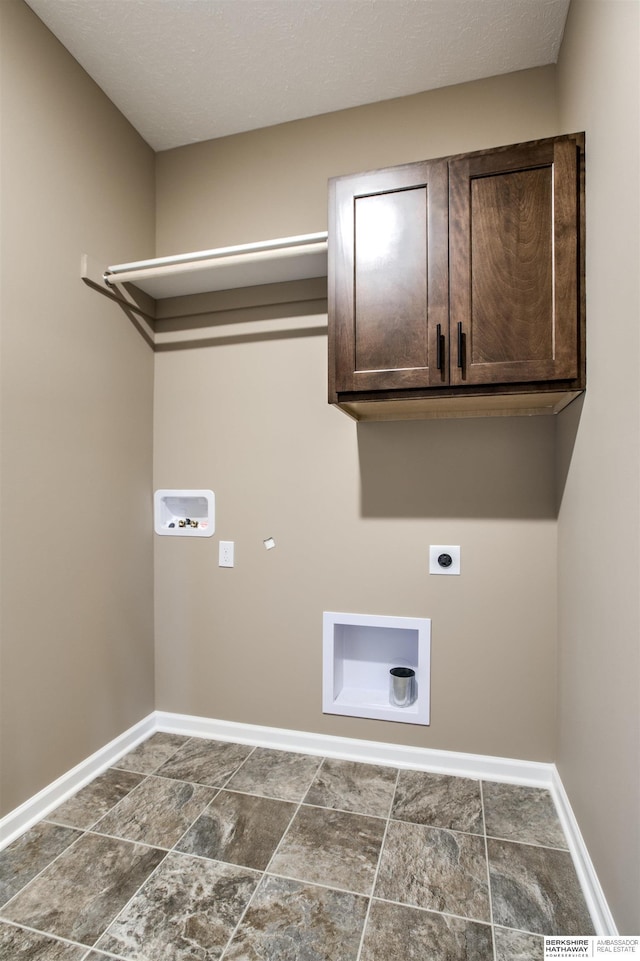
column 194, row 850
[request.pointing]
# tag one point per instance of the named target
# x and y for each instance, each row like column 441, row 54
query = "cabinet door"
column 514, row 264
column 388, row 279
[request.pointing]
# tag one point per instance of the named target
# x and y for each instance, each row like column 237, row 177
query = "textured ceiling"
column 183, row 71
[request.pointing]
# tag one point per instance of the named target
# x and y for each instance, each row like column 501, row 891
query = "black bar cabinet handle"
column 460, row 344
column 439, row 346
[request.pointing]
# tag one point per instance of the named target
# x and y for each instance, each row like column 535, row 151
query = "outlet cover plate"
column 226, row 554
column 436, row 551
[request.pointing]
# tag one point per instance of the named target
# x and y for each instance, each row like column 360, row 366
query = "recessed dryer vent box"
column 359, row 650
column 184, row 513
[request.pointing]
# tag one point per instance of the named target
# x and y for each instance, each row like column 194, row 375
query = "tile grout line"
column 164, row 761
column 264, row 873
column 295, row 814
column 288, row 800
column 375, row 876
column 436, row 913
column 58, row 939
column 50, row 818
column 117, row 804
column 527, row 844
column 486, row 859
column 324, row 807
column 196, row 818
column 271, row 797
column 132, row 898
column 107, row 954
column 42, row 871
column 118, row 837
column 317, row 884
column 242, row 763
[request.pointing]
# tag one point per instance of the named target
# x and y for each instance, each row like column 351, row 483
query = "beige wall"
column 273, row 182
column 599, row 523
column 76, row 395
column 353, row 509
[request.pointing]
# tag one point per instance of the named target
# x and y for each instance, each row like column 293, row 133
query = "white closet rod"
column 218, row 252
column 306, row 255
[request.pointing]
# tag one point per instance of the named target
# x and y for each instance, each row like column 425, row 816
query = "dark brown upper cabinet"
column 456, row 285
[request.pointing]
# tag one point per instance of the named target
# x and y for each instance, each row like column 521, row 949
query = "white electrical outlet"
column 444, row 559
column 225, row 555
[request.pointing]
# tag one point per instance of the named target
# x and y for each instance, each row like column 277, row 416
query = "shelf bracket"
column 139, row 307
column 93, row 274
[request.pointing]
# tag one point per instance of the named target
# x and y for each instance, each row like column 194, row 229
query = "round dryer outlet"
column 444, row 559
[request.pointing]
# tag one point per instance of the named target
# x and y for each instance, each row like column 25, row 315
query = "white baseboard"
column 37, row 807
column 601, row 916
column 532, row 773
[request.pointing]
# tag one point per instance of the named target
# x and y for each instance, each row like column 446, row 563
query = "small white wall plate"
column 184, row 513
column 444, row 559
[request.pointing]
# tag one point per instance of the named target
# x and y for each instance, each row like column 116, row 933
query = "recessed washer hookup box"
column 184, row 513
